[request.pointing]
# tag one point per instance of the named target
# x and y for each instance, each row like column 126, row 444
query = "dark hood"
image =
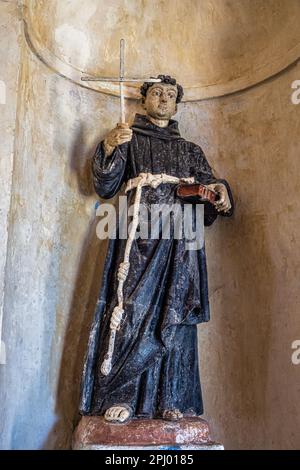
column 142, row 125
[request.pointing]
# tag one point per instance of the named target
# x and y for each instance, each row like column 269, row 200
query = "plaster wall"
column 54, row 260
column 9, row 66
column 251, row 384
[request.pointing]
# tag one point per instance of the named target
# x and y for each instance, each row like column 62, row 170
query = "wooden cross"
column 121, row 80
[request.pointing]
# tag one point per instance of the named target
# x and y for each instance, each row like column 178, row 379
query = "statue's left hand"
column 223, row 204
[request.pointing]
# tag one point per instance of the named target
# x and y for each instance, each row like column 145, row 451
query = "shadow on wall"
column 85, row 295
column 80, row 163
column 244, row 327
column 81, row 313
column 243, row 287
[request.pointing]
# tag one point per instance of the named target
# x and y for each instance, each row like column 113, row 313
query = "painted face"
column 160, row 102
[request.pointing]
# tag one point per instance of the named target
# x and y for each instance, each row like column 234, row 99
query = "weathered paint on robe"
column 155, row 362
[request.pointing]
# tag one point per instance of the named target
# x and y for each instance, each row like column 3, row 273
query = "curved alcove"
column 213, row 47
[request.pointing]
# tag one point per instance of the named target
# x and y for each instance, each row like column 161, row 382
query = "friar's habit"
column 155, row 361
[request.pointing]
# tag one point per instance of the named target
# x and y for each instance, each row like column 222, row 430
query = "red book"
column 197, row 192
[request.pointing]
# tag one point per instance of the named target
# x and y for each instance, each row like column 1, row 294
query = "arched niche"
column 213, row 47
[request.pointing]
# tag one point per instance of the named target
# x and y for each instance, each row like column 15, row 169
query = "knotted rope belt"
column 144, row 179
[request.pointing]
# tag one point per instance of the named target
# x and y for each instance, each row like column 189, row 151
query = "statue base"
column 94, row 433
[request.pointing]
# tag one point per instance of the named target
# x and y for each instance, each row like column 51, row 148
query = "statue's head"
column 160, row 99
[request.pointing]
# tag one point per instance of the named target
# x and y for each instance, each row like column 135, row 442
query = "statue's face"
column 160, row 101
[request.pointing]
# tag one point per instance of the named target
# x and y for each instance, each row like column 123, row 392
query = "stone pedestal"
column 93, row 432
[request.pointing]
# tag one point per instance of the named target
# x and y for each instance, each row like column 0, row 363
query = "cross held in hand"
column 121, row 80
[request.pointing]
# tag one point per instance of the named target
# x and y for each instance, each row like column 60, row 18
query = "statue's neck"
column 158, row 122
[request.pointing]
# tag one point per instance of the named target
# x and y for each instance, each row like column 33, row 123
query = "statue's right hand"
column 119, row 135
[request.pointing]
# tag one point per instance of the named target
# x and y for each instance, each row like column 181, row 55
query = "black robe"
column 155, row 361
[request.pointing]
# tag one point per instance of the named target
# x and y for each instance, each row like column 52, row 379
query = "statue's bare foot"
column 118, row 414
column 172, row 415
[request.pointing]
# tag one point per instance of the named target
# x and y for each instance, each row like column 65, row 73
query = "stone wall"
column 51, row 257
column 9, row 32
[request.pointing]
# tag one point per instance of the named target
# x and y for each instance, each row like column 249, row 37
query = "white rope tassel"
column 144, row 179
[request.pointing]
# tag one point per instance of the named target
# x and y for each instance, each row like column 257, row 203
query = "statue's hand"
column 223, row 204
column 117, row 136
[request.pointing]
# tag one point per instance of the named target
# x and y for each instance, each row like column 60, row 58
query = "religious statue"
column 142, row 358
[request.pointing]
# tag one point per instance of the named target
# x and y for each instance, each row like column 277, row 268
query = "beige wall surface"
column 53, row 259
column 9, row 32
column 251, row 385
column 212, row 46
